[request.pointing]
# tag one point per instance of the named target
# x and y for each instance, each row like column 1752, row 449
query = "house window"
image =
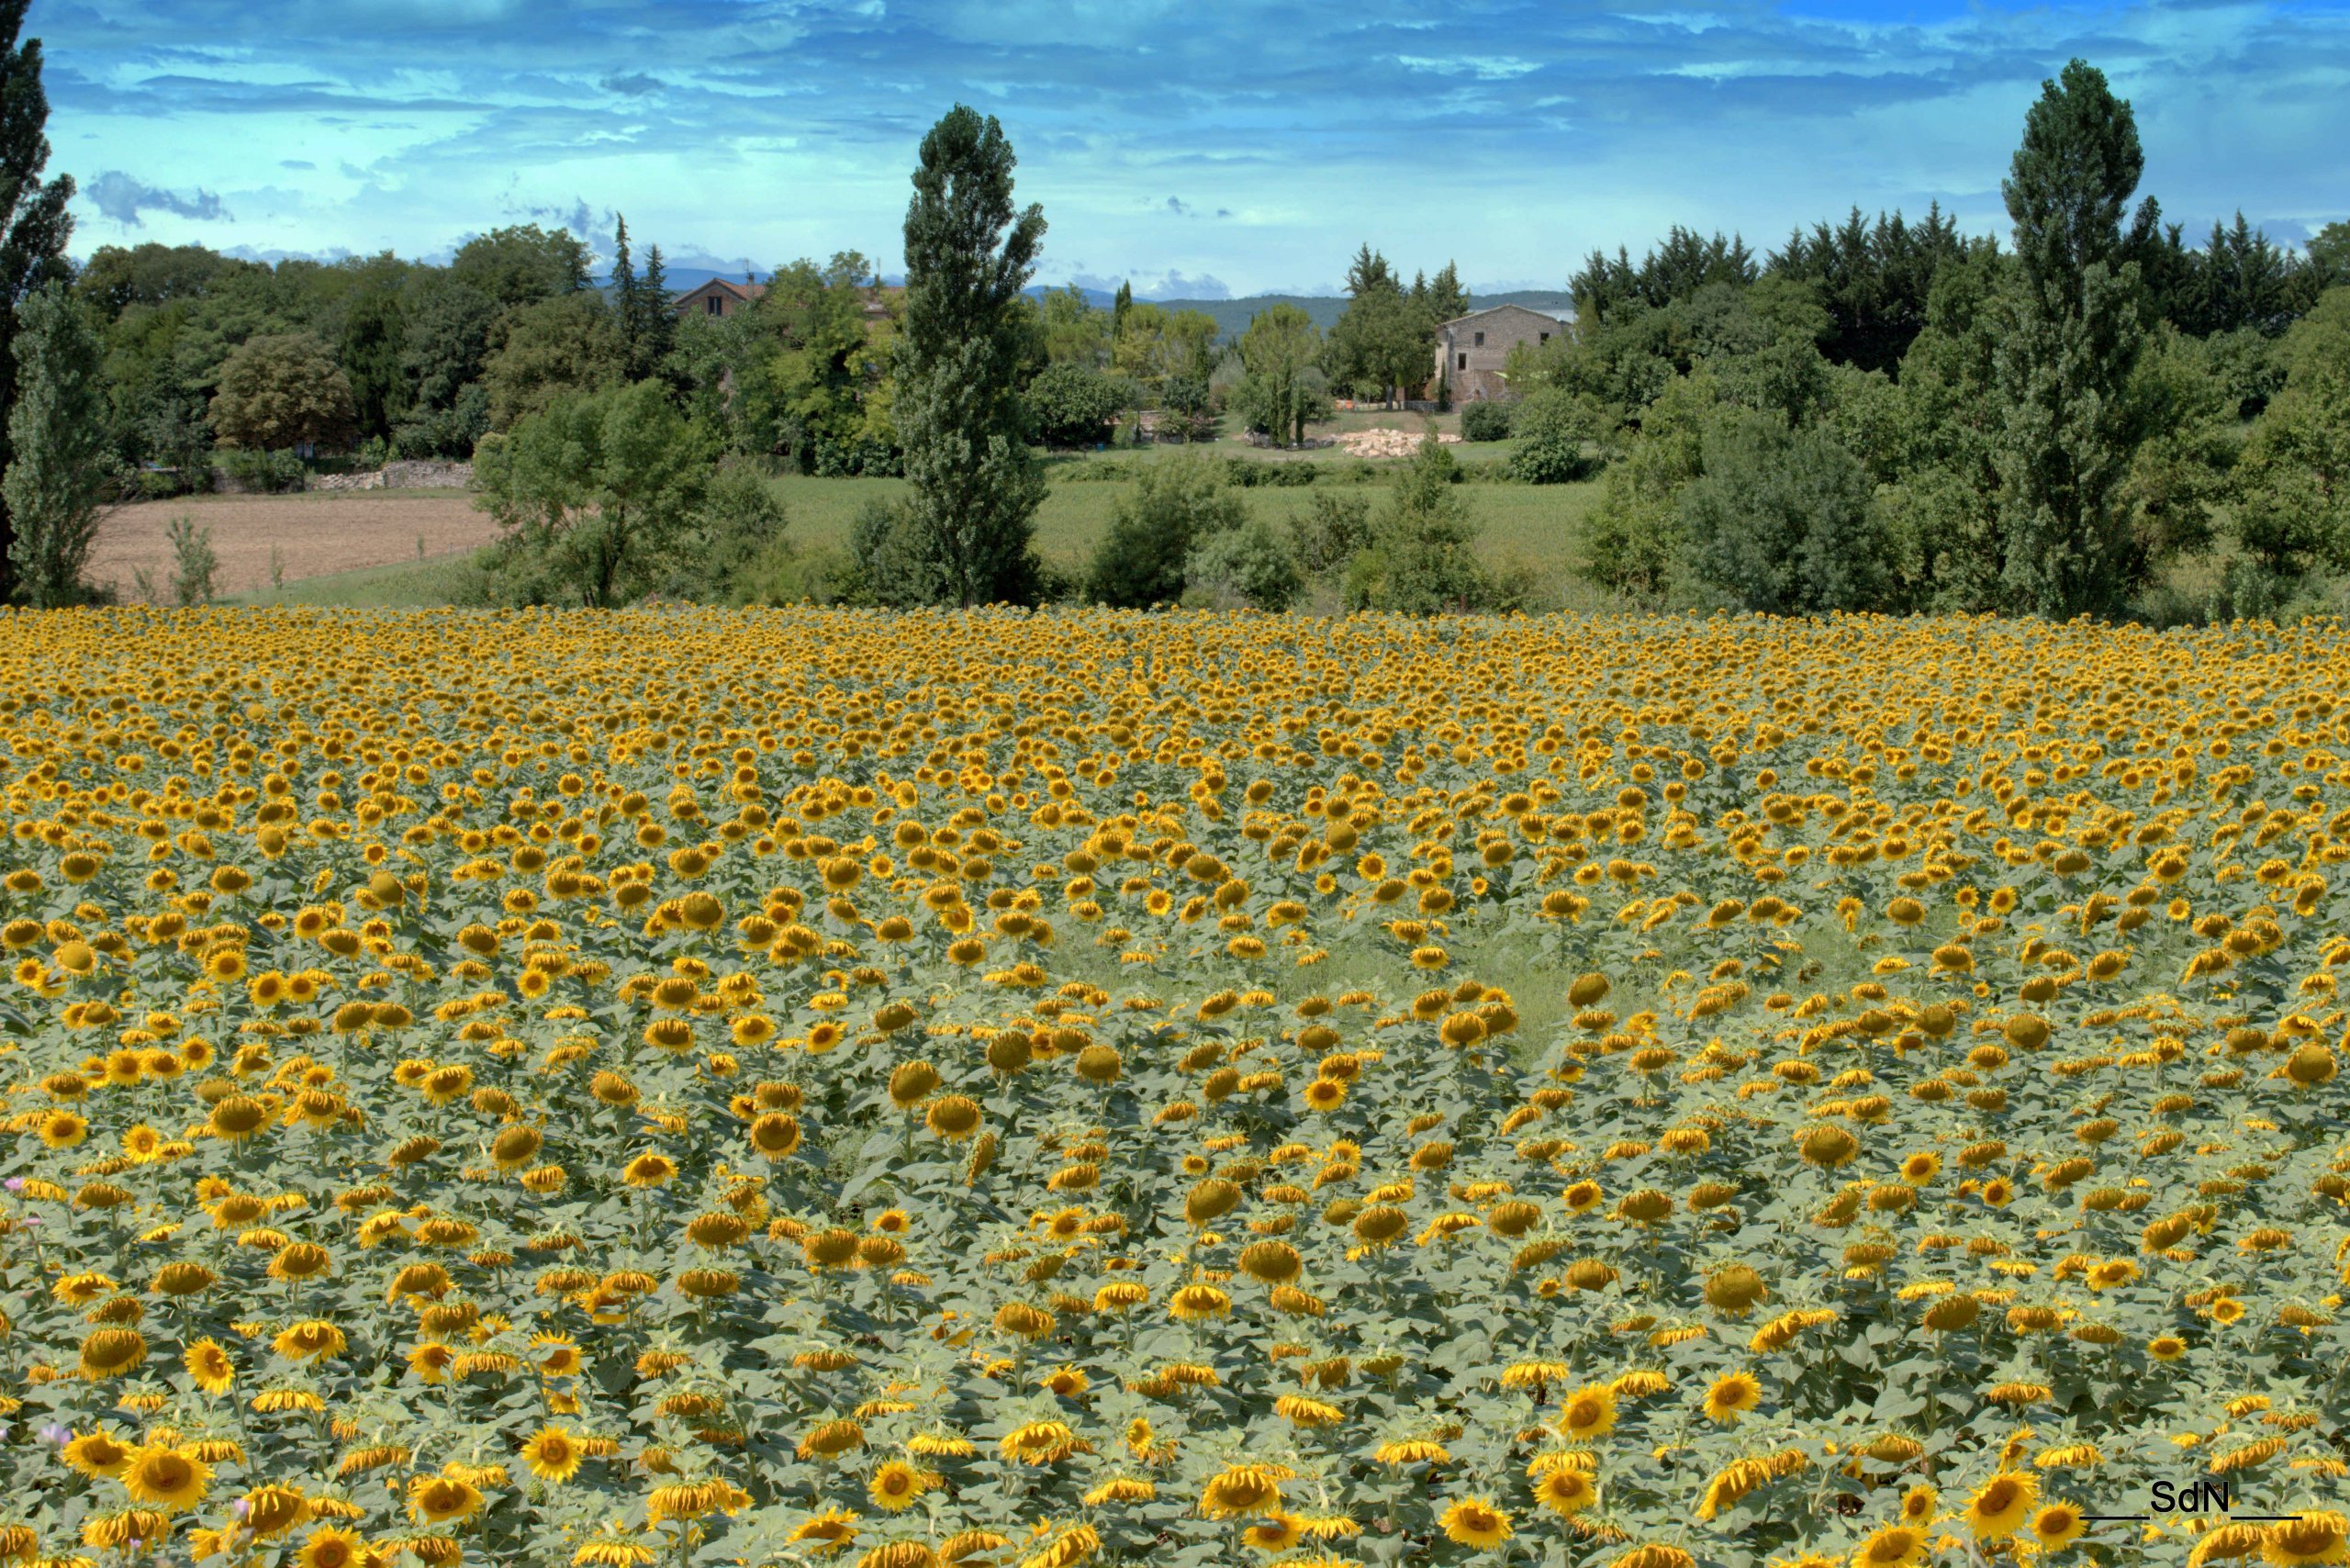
column 1481, row 340
column 716, row 307
column 1546, row 337
column 1464, row 361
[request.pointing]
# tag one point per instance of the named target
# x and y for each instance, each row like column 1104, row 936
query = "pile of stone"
column 1385, row 442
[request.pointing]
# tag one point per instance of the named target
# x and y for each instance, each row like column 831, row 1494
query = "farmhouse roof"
column 739, row 290
column 1497, row 309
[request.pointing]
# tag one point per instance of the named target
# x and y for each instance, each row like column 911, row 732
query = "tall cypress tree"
column 2064, row 365
column 660, row 321
column 968, row 530
column 34, row 224
column 626, row 308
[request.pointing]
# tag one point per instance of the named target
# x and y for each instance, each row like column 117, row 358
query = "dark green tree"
column 656, row 336
column 522, row 265
column 2067, row 354
column 1446, row 300
column 1785, row 521
column 57, row 435
column 598, row 493
column 1283, row 386
column 571, row 343
column 34, row 224
column 373, row 345
column 1422, row 560
column 1177, row 507
column 976, row 485
column 281, row 391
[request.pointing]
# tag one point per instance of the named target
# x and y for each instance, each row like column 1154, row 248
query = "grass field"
column 1518, row 523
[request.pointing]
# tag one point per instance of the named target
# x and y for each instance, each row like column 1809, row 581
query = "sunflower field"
column 1029, row 1089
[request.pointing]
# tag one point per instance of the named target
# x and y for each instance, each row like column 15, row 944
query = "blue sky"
column 1196, row 146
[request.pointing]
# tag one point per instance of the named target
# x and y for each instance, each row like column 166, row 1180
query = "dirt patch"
column 313, row 535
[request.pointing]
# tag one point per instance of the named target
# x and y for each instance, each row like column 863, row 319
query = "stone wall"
column 404, row 475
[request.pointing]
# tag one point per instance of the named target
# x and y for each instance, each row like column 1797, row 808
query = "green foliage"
column 284, row 390
column 1071, row 404
column 1381, row 346
column 371, row 351
column 1785, row 521
column 1177, row 506
column 569, row 343
column 34, row 225
column 59, row 462
column 970, row 520
column 194, row 563
column 1556, row 432
column 2065, row 356
column 598, row 495
column 1283, row 386
column 809, row 369
column 1421, row 561
column 259, row 471
column 1251, row 564
column 522, row 265
column 2291, row 510
column 1633, row 542
column 1332, row 529
column 1484, row 422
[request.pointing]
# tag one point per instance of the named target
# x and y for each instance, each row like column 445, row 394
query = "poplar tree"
column 34, row 224
column 966, row 532
column 2064, row 362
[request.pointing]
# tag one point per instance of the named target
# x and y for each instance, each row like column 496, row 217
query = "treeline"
column 1887, row 416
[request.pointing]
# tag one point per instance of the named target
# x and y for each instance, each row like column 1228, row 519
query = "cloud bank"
column 1217, row 145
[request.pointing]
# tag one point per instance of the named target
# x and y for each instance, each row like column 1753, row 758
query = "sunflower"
column 1732, row 1395
column 208, row 1365
column 1474, row 1522
column 896, row 1486
column 1895, row 1546
column 552, row 1454
column 1589, row 1414
column 331, row 1546
column 310, row 1340
column 650, row 1169
column 2057, row 1526
column 1566, row 1492
column 2166, row 1347
column 97, row 1454
column 1999, row 1505
column 437, row 1499
column 2314, row 1536
column 1276, row 1532
column 166, row 1478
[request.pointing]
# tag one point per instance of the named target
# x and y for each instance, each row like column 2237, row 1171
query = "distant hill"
column 1231, row 316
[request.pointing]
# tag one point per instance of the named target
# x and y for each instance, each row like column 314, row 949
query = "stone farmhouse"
column 1471, row 350
column 723, row 297
column 719, row 296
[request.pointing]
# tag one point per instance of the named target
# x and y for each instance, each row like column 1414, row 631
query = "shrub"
column 194, row 565
column 1251, row 564
column 1484, row 422
column 1786, row 522
column 1331, row 531
column 264, row 473
column 1251, row 472
column 1070, row 405
column 1176, row 505
column 1555, row 430
column 1420, row 561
